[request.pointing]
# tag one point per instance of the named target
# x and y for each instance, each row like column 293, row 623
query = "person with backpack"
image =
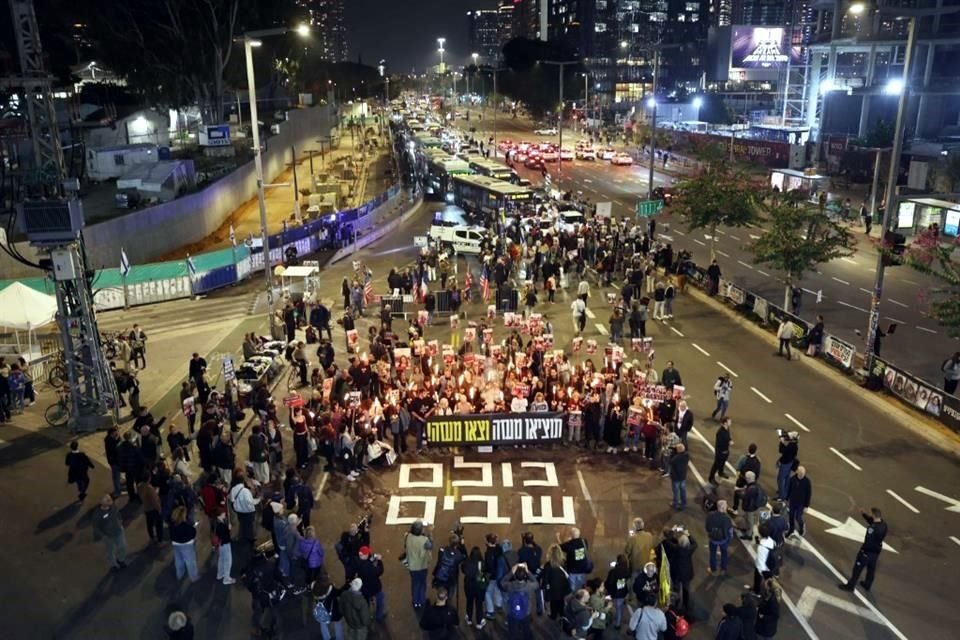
column 754, row 499
column 747, row 462
column 326, row 609
column 719, row 533
column 555, row 581
column 474, row 587
column 495, row 567
column 446, row 573
column 417, row 547
column 765, row 565
column 519, row 589
column 439, row 619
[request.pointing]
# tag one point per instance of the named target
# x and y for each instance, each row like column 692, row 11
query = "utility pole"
column 653, row 122
column 561, row 65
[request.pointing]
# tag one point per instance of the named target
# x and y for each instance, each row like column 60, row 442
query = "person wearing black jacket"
column 320, row 320
column 474, row 587
column 684, row 421
column 799, row 494
column 78, row 469
column 749, row 462
column 768, row 610
column 869, row 551
column 789, row 448
column 747, row 612
column 531, row 555
column 111, row 446
column 617, row 585
column 554, row 580
column 225, row 458
column 730, row 627
column 680, row 547
column 131, row 463
column 721, row 451
column 439, row 618
column 679, row 461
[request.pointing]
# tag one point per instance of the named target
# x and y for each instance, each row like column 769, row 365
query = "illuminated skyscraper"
column 329, row 24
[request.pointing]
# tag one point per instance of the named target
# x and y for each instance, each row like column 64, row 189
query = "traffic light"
column 894, row 246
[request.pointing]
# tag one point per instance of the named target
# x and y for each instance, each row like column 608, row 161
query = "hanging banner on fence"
column 736, row 294
column 839, row 350
column 760, row 307
column 495, row 429
column 914, row 391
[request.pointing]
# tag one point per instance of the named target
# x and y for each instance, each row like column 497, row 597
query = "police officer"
column 869, row 550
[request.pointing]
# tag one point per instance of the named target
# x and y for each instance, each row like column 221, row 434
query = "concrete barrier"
column 378, row 232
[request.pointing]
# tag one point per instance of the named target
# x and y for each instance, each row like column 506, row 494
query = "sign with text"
column 495, row 428
column 839, row 350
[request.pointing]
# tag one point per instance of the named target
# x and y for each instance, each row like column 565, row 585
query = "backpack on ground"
column 518, row 603
column 320, row 613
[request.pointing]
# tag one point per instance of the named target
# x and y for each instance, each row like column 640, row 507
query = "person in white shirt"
column 647, row 622
column 583, row 290
column 245, row 504
column 765, row 563
column 785, row 334
column 579, row 310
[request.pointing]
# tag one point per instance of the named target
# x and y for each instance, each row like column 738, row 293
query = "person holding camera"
column 578, row 617
column 417, row 547
column 495, row 567
column 721, row 390
column 369, row 570
column 519, row 588
column 789, row 449
column 351, row 540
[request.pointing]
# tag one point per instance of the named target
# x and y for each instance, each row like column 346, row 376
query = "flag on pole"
column 233, row 236
column 367, row 287
column 467, row 285
column 192, row 268
column 124, row 263
column 485, row 283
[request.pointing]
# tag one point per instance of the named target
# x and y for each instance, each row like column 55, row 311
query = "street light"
column 561, row 66
column 440, row 42
column 902, row 87
column 250, row 40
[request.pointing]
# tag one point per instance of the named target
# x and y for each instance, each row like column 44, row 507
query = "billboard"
column 761, row 48
column 495, row 428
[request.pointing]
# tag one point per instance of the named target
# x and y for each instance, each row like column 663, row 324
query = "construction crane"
column 52, row 219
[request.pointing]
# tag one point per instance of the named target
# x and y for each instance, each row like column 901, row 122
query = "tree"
column 718, row 195
column 930, row 254
column 798, row 238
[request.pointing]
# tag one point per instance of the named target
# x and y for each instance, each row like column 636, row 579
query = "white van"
column 460, row 238
column 569, row 221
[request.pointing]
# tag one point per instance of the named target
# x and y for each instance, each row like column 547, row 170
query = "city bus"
column 440, row 169
column 492, row 169
column 489, row 195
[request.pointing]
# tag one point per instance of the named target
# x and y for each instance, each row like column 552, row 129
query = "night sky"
column 405, row 32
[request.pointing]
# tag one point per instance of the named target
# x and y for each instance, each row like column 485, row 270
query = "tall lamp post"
column 890, row 200
column 250, row 40
column 652, row 104
column 441, row 50
column 475, row 56
column 561, row 66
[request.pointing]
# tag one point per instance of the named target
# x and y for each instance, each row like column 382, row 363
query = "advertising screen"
column 761, row 48
column 952, row 224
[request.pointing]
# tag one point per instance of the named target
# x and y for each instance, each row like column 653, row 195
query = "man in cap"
column 369, row 570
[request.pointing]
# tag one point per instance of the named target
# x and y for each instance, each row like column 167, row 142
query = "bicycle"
column 57, row 377
column 293, row 378
column 58, row 414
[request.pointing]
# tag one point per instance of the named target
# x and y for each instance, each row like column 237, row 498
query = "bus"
column 440, row 169
column 492, row 169
column 489, row 195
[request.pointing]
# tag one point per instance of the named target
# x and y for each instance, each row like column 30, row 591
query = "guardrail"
column 840, row 354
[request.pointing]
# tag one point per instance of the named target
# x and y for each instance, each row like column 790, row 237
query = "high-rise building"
column 530, row 18
column 761, row 12
column 505, row 29
column 329, row 25
column 484, row 30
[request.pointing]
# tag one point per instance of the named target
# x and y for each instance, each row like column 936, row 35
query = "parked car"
column 566, row 154
column 546, row 131
column 586, row 153
column 621, row 159
column 534, row 162
column 607, row 153
column 550, row 155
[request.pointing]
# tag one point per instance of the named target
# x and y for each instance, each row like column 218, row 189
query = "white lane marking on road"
column 699, row 348
column 727, row 369
column 839, row 576
column 813, row 293
column 898, row 303
column 754, row 237
column 953, row 502
column 797, row 422
column 602, row 329
column 955, row 539
column 846, row 459
column 677, row 231
column 866, row 291
column 676, row 331
column 892, row 319
column 811, row 596
column 723, row 253
column 852, row 306
column 850, row 260
column 586, row 493
column 323, row 483
column 908, row 281
column 763, row 273
column 903, row 502
column 587, row 180
column 721, row 232
column 925, row 329
column 734, row 237
column 840, row 281
column 748, row 266
column 590, row 314
column 699, row 242
column 757, row 391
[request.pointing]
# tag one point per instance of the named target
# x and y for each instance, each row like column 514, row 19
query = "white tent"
column 26, row 309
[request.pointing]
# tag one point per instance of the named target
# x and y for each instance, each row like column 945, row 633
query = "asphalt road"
column 920, row 344
column 855, row 455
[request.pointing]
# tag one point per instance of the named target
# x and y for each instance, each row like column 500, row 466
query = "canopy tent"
column 26, row 309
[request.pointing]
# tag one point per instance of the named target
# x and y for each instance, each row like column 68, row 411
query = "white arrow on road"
column 754, row 237
column 954, row 503
column 851, row 529
column 666, row 237
column 812, row 596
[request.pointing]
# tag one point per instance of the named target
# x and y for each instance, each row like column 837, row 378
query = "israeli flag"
column 192, row 268
column 124, row 263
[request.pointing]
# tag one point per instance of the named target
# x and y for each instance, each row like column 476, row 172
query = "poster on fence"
column 913, row 390
column 839, row 350
column 760, row 307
